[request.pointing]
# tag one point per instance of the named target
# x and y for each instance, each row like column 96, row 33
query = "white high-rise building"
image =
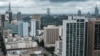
column 33, row 28
column 23, row 29
column 35, row 25
column 74, row 36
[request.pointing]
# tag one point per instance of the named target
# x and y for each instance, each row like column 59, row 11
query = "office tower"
column 23, row 29
column 79, row 13
column 19, row 16
column 74, row 36
column 51, row 35
column 93, row 41
column 35, row 25
column 10, row 13
column 2, row 43
column 96, row 11
column 3, row 19
column 2, row 46
column 48, row 11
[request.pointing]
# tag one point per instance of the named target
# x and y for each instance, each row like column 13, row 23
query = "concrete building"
column 60, row 31
column 18, row 45
column 74, row 36
column 58, row 48
column 23, row 29
column 6, row 33
column 35, row 25
column 93, row 41
column 51, row 35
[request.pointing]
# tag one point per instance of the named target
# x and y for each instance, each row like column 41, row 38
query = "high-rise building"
column 23, row 28
column 3, row 19
column 35, row 25
column 2, row 43
column 74, row 36
column 79, row 13
column 96, row 11
column 2, row 46
column 48, row 11
column 10, row 13
column 93, row 41
column 19, row 16
column 51, row 35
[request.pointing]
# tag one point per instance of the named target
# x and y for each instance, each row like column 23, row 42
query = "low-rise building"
column 18, row 45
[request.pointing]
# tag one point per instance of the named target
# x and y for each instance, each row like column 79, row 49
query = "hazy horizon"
column 56, row 6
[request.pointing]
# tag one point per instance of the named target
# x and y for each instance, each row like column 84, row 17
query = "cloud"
column 65, row 0
column 40, row 6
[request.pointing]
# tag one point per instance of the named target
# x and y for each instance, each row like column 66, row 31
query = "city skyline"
column 56, row 6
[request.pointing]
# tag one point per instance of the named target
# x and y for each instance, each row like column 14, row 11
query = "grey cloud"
column 65, row 0
column 4, row 0
column 40, row 6
column 71, row 0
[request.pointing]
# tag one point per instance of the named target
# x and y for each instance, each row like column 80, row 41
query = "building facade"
column 93, row 46
column 96, row 11
column 35, row 25
column 51, row 35
column 23, row 29
column 10, row 13
column 58, row 48
column 74, row 36
column 19, row 45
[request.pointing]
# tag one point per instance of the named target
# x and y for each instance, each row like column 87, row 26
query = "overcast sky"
column 56, row 6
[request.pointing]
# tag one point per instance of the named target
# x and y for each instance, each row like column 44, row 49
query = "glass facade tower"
column 74, row 36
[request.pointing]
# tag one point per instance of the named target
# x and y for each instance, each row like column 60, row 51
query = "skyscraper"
column 3, row 19
column 2, row 43
column 19, row 16
column 79, row 13
column 48, row 11
column 23, row 29
column 2, row 46
column 10, row 13
column 96, row 11
column 74, row 36
column 93, row 41
column 35, row 25
column 51, row 35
